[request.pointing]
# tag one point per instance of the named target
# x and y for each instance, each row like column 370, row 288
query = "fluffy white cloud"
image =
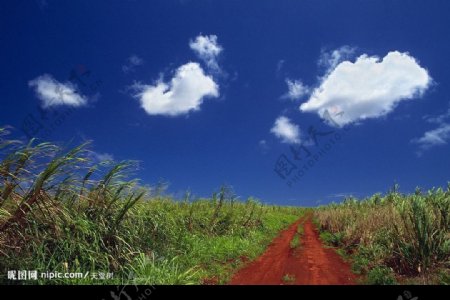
column 207, row 48
column 185, row 92
column 287, row 131
column 435, row 137
column 54, row 93
column 296, row 89
column 368, row 88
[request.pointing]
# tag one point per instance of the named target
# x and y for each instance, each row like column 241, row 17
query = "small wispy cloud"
column 207, row 49
column 435, row 137
column 296, row 89
column 100, row 157
column 131, row 63
column 342, row 195
column 439, row 119
column 330, row 59
column 53, row 93
column 263, row 146
column 280, row 65
column 287, row 131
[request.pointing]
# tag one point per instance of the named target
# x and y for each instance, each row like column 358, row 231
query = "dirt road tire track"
column 312, row 263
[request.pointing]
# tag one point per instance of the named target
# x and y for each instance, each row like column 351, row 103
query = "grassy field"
column 393, row 238
column 59, row 211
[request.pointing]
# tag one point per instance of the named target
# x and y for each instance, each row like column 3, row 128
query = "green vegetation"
column 333, row 239
column 288, row 278
column 300, row 229
column 395, row 237
column 296, row 240
column 380, row 275
column 61, row 212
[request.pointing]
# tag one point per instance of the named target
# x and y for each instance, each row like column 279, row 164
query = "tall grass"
column 60, row 211
column 408, row 235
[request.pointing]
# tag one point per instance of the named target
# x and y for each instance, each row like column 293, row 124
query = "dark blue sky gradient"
column 220, row 143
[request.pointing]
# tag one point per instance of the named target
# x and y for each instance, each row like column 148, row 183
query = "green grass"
column 288, row 278
column 300, row 229
column 396, row 236
column 59, row 211
column 331, row 239
column 295, row 243
column 381, row 275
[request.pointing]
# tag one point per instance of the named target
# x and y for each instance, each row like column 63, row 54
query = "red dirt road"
column 311, row 263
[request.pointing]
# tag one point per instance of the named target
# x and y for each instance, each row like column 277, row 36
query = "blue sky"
column 206, row 93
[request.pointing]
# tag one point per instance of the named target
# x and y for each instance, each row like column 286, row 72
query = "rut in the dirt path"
column 312, row 263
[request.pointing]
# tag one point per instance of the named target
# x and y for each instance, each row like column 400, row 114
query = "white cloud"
column 263, row 146
column 438, row 119
column 131, row 63
column 435, row 137
column 207, row 48
column 330, row 60
column 296, row 89
column 185, row 92
column 341, row 195
column 280, row 65
column 287, row 131
column 103, row 156
column 54, row 93
column 135, row 60
column 368, row 88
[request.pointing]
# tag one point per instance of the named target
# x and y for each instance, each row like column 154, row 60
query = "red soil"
column 312, row 263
